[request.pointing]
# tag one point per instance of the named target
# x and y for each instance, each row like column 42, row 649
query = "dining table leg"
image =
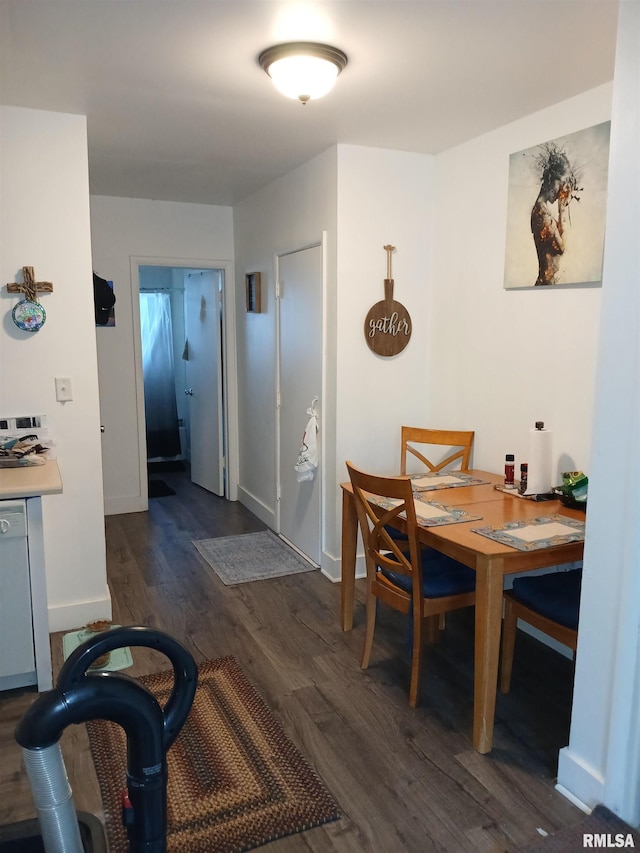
column 348, row 559
column 488, row 626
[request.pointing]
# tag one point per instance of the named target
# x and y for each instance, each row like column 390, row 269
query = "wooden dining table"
column 491, row 560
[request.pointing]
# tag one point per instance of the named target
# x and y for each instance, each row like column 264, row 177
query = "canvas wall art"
column 557, row 209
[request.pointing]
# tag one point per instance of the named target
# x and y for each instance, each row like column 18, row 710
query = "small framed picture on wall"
column 252, row 280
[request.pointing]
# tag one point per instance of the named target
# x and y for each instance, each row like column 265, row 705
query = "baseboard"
column 576, row 802
column 578, row 781
column 67, row 617
column 331, row 567
column 122, row 506
column 257, row 507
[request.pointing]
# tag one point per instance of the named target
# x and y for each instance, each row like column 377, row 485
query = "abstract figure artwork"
column 556, row 211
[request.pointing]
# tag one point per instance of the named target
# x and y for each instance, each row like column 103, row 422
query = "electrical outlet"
column 64, row 392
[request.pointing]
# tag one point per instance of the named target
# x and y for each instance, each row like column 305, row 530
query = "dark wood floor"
column 406, row 780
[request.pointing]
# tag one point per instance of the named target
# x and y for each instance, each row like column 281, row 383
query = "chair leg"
column 416, row 662
column 508, row 642
column 432, row 634
column 372, row 603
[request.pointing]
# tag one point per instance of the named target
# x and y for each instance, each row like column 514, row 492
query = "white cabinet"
column 23, row 489
column 17, row 654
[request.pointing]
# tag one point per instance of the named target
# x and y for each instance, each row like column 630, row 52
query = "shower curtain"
column 161, row 412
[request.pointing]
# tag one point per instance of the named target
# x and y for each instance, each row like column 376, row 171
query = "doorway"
column 194, row 299
column 300, row 296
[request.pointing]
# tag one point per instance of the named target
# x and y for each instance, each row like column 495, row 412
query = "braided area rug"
column 235, row 780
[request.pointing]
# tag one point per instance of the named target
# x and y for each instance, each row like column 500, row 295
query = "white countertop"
column 30, row 481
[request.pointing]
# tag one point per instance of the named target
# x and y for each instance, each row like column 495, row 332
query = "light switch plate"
column 64, row 392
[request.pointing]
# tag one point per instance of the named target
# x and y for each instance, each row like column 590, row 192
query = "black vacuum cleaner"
column 81, row 695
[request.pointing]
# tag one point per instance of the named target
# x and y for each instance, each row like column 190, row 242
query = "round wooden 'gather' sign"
column 387, row 326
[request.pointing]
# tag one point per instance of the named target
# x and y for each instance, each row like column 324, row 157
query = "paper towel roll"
column 539, row 479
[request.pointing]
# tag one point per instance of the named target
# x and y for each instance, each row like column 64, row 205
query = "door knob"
column 188, row 392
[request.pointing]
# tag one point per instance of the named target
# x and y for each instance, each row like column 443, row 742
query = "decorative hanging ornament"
column 387, row 327
column 29, row 315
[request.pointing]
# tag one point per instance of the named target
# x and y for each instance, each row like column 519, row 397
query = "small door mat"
column 168, row 465
column 118, row 658
column 159, row 489
column 235, row 780
column 251, row 557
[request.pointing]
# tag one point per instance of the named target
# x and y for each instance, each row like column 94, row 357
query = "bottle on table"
column 509, row 471
column 524, row 476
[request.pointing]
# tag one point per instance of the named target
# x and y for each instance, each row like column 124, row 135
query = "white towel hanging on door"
column 307, row 463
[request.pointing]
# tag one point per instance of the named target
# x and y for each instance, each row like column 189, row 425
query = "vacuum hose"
column 80, row 696
column 53, row 799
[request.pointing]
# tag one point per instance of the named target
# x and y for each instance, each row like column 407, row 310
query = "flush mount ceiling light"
column 303, row 69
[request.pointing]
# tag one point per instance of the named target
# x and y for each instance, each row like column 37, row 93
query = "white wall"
column 122, row 229
column 384, row 197
column 287, row 214
column 369, row 197
column 520, row 356
column 45, row 224
column 499, row 360
column 602, row 761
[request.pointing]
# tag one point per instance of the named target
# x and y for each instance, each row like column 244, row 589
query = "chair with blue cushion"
column 419, row 582
column 551, row 603
column 414, row 442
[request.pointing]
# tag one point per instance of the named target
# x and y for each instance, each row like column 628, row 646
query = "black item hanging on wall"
column 104, row 299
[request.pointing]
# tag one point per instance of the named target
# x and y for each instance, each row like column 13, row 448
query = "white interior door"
column 300, row 305
column 203, row 327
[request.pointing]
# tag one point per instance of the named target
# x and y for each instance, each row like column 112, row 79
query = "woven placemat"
column 444, row 480
column 235, row 779
column 532, row 534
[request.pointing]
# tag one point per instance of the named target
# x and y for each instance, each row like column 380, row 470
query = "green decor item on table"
column 575, row 486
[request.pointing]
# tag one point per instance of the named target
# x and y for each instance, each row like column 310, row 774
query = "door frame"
column 322, row 243
column 229, row 365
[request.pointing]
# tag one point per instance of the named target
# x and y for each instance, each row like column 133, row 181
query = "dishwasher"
column 17, row 654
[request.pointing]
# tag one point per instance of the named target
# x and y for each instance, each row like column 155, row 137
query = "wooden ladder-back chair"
column 460, row 439
column 463, row 440
column 422, row 584
column 550, row 602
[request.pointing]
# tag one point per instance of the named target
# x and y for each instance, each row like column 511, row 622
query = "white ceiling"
column 178, row 108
